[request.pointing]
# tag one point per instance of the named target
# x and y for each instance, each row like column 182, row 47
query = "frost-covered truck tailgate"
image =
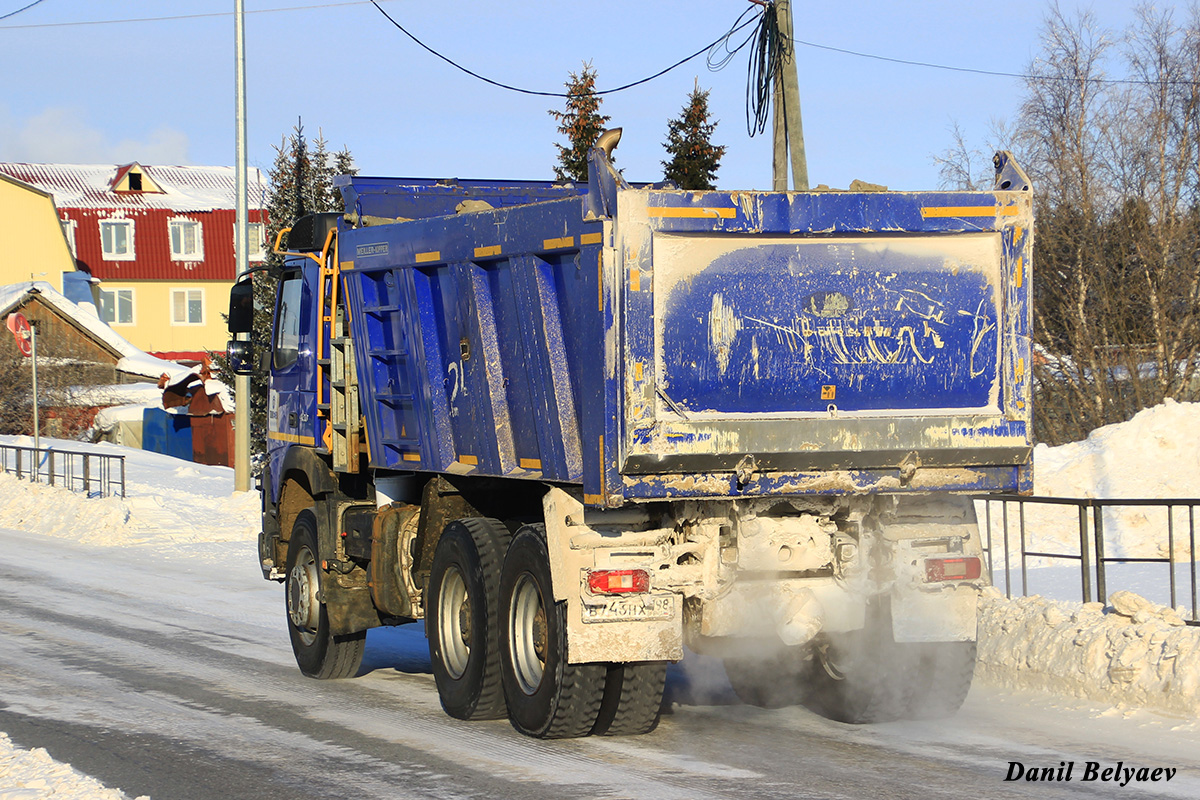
column 772, row 343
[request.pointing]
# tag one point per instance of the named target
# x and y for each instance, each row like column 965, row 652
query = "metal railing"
column 94, row 474
column 1091, row 554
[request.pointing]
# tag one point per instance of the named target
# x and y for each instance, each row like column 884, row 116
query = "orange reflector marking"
column 930, row 212
column 468, row 460
column 484, row 252
column 530, row 463
column 555, row 244
column 425, row 258
column 667, row 212
column 591, row 238
column 412, row 456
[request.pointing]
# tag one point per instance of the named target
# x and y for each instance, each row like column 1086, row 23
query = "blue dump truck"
column 576, row 429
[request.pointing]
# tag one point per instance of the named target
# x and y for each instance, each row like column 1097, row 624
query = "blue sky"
column 162, row 91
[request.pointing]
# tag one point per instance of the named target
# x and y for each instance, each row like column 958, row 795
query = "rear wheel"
column 547, row 697
column 632, row 701
column 947, row 669
column 773, row 681
column 319, row 653
column 868, row 677
column 462, row 619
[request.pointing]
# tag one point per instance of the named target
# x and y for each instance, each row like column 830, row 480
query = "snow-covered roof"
column 132, row 360
column 182, row 188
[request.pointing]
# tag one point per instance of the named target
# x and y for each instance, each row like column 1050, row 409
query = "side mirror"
column 241, row 307
column 240, row 355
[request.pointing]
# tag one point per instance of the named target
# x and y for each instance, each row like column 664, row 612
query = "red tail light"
column 615, row 581
column 952, row 569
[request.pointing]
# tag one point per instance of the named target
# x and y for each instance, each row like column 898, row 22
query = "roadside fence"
column 1091, row 547
column 94, row 474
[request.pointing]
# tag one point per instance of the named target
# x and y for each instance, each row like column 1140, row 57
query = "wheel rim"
column 454, row 623
column 527, row 634
column 302, row 604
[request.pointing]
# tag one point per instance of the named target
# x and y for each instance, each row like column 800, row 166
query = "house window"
column 187, row 306
column 116, row 306
column 186, row 244
column 68, row 229
column 256, row 234
column 255, row 237
column 116, row 239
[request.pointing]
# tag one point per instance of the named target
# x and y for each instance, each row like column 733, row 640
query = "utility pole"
column 33, row 326
column 241, row 411
column 788, row 130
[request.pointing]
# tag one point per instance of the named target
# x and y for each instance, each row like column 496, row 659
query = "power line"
column 167, row 18
column 1022, row 75
column 718, row 60
column 19, row 10
column 681, row 62
column 512, row 88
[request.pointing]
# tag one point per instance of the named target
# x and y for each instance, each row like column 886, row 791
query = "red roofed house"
column 161, row 242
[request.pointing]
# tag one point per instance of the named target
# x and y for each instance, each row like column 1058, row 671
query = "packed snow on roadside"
column 1132, row 650
column 33, row 774
column 1132, row 653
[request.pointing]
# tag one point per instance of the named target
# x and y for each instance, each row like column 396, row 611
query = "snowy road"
column 173, row 677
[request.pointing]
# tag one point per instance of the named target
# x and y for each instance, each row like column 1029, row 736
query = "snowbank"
column 33, row 774
column 1156, row 454
column 169, row 503
column 1132, row 653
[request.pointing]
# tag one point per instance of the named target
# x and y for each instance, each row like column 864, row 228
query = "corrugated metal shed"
column 89, row 194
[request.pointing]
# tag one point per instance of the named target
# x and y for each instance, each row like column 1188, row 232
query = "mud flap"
column 945, row 615
column 644, row 627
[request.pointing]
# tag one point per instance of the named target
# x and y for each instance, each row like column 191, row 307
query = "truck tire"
column 319, row 653
column 547, row 697
column 773, row 681
column 462, row 619
column 632, row 701
column 947, row 669
column 865, row 676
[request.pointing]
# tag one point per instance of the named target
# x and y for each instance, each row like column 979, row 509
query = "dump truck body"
column 719, row 417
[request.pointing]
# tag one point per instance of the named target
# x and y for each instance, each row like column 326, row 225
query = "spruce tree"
column 299, row 182
column 694, row 158
column 581, row 122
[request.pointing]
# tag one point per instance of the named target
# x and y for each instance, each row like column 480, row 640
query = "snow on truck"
column 578, row 428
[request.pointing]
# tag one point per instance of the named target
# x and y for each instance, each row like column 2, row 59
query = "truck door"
column 291, row 402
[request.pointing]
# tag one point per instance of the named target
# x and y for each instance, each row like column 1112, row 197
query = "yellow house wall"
column 152, row 329
column 34, row 247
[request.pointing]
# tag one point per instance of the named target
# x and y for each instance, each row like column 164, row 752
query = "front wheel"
column 319, row 653
column 547, row 696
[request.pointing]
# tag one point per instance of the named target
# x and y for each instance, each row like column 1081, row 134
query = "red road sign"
column 20, row 329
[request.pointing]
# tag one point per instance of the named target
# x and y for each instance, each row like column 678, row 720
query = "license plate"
column 629, row 609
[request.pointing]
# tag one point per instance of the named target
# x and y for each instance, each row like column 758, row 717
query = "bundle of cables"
column 769, row 50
